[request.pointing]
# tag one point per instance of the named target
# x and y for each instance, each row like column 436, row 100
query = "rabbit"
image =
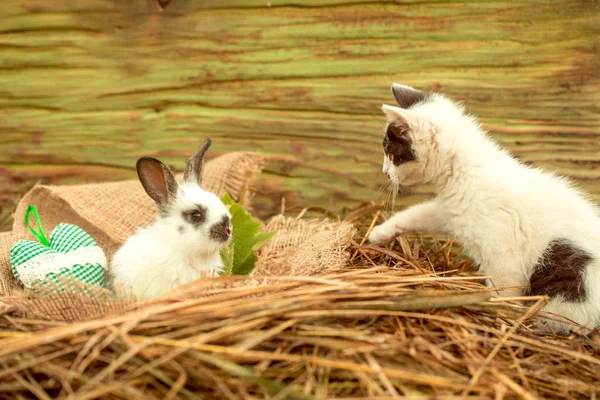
column 183, row 244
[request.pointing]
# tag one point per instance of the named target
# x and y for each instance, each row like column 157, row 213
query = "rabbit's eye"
column 197, row 216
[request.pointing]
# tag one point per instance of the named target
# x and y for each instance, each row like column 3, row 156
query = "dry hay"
column 404, row 320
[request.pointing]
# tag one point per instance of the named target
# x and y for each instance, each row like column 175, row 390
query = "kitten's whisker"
column 378, row 180
column 385, row 201
column 389, row 198
column 394, row 194
column 384, row 187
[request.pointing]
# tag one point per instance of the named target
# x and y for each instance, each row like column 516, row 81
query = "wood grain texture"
column 88, row 86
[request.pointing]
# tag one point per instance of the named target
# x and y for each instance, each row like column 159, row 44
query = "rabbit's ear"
column 158, row 181
column 195, row 164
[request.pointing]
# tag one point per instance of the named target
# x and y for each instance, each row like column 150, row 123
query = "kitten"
column 523, row 226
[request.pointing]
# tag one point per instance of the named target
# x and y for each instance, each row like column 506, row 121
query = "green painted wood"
column 88, row 86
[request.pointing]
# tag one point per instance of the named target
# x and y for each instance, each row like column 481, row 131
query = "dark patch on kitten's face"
column 560, row 272
column 195, row 216
column 408, row 97
column 397, row 145
column 221, row 231
column 181, row 229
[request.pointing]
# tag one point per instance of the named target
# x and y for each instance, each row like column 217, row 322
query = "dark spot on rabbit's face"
column 221, row 231
column 195, row 216
column 181, row 229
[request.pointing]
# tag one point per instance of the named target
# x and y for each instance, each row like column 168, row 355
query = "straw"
column 394, row 323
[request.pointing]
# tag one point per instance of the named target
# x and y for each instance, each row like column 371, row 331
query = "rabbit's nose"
column 221, row 231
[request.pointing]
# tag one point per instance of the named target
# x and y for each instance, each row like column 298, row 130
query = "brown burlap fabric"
column 7, row 281
column 85, row 303
column 303, row 248
column 300, row 248
column 111, row 212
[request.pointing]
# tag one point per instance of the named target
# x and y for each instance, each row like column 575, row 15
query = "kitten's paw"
column 381, row 234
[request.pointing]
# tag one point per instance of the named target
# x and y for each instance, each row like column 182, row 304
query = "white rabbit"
column 183, row 244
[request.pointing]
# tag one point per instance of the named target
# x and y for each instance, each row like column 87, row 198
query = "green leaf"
column 247, row 266
column 227, row 257
column 262, row 238
column 239, row 257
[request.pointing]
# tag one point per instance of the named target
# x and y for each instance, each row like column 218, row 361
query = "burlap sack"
column 300, row 248
column 7, row 281
column 303, row 248
column 111, row 212
column 84, row 304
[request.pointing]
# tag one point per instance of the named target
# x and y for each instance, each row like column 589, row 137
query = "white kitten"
column 523, row 226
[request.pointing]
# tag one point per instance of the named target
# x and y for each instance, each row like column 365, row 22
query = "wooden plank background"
column 88, row 86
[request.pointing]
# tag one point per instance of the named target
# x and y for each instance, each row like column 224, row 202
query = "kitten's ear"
column 393, row 113
column 407, row 96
